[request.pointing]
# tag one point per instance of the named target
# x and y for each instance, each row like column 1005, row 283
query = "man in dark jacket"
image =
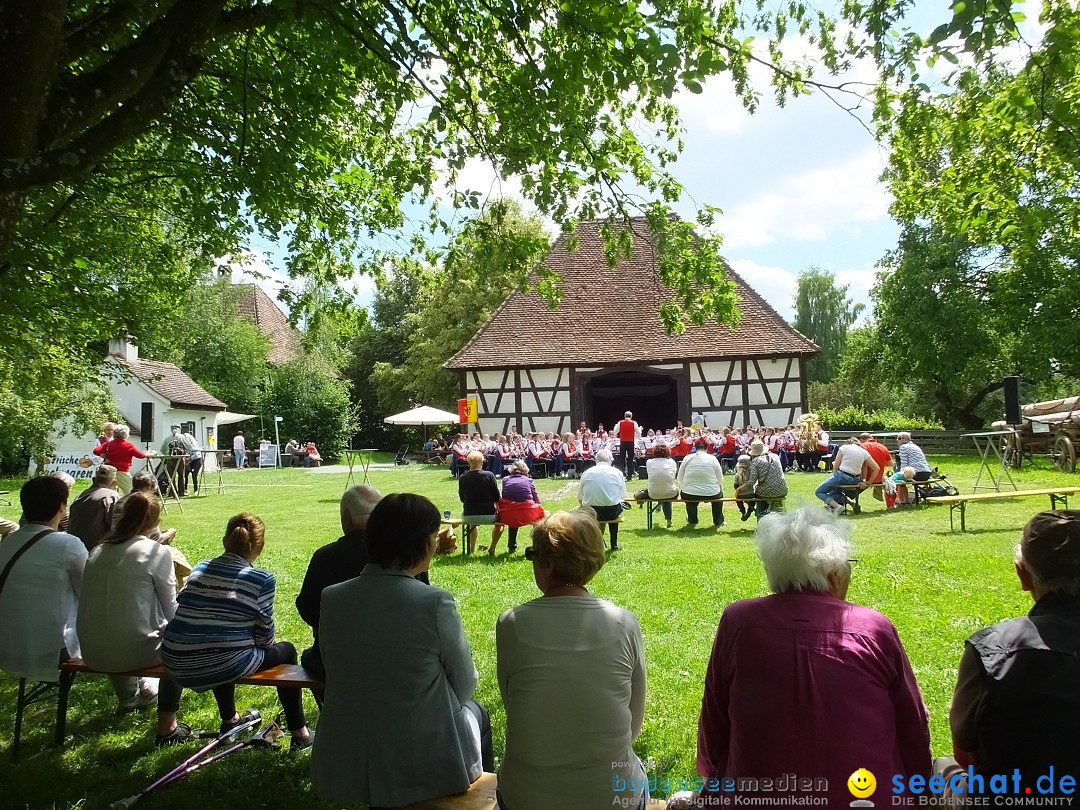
column 337, row 562
column 90, row 513
column 1017, row 700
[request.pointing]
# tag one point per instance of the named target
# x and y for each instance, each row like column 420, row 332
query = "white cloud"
column 814, row 205
column 859, row 281
column 776, row 285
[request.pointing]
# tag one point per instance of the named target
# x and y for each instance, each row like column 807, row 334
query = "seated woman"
column 223, row 629
column 805, row 665
column 479, row 494
column 661, row 469
column 128, row 596
column 398, row 725
column 571, row 671
column 311, row 454
column 519, row 505
column 701, row 478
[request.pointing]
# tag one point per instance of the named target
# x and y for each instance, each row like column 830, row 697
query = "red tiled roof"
column 172, row 383
column 260, row 309
column 611, row 315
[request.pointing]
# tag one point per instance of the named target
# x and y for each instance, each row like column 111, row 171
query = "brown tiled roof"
column 173, row 384
column 260, row 309
column 611, row 315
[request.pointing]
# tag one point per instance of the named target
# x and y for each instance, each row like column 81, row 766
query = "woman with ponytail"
column 223, row 629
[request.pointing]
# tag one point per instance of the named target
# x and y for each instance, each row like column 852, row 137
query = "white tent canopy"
column 226, row 418
column 423, row 415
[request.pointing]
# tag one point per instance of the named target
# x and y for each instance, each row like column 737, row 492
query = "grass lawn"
column 937, row 588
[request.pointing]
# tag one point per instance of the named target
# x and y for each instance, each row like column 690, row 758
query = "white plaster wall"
column 775, row 417
column 545, row 377
column 715, row 370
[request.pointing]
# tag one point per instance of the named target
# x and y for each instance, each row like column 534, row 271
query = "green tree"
column 212, row 120
column 213, row 344
column 384, row 340
column 942, row 329
column 313, row 403
column 824, row 314
column 987, row 147
column 491, row 256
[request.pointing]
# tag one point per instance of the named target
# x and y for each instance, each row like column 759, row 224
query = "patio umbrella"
column 423, row 415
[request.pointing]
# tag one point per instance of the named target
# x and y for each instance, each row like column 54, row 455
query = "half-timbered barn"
column 604, row 351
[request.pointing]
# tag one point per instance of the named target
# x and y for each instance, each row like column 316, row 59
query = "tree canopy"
column 824, row 314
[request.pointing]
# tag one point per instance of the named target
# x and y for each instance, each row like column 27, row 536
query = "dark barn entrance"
column 653, row 398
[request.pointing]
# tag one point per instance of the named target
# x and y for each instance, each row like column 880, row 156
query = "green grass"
column 937, row 588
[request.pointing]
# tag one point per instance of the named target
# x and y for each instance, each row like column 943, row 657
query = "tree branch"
column 104, row 21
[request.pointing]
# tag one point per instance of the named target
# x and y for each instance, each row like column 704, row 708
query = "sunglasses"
column 531, row 553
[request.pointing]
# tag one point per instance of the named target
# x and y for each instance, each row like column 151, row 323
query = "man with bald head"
column 337, row 562
column 1016, row 707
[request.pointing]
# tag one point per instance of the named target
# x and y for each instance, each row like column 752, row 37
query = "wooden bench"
column 653, row 505
column 1059, row 494
column 481, row 796
column 289, row 675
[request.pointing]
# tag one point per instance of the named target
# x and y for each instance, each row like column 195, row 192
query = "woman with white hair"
column 804, row 682
column 119, row 452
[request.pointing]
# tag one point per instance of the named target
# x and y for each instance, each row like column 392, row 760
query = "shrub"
column 853, row 418
column 313, row 403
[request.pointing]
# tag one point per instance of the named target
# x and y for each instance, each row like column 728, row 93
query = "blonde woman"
column 479, row 494
column 572, row 656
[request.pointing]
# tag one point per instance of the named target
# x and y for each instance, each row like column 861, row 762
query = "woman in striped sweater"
column 223, row 629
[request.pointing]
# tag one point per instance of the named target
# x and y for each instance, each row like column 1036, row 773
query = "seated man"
column 853, row 466
column 603, row 487
column 879, row 453
column 911, row 455
column 1016, row 705
column 89, row 518
column 40, row 599
column 337, row 562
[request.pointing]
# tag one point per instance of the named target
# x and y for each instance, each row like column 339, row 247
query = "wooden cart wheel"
column 1065, row 454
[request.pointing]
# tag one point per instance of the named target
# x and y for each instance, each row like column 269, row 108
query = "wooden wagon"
column 1048, row 428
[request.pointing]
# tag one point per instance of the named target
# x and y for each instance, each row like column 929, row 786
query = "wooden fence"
column 931, row 441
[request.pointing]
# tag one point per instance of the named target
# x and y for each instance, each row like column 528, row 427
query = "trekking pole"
column 250, row 718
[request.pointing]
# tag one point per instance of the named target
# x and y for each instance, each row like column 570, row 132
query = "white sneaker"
column 836, row 508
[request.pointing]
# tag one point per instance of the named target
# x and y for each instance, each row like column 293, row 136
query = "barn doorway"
column 653, row 398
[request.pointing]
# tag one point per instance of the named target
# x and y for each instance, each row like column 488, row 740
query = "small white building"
column 150, row 396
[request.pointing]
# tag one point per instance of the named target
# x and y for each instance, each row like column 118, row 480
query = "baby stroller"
column 402, row 452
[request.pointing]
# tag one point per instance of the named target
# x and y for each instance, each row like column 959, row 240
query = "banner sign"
column 467, row 410
column 78, row 467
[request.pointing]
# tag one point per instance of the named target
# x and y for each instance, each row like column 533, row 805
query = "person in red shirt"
column 119, row 452
column 682, row 448
column 627, row 430
column 728, row 450
column 879, row 453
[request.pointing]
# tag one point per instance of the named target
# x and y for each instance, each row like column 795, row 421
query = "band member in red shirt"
column 627, row 430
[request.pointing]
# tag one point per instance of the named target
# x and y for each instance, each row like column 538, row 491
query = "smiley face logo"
column 862, row 783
